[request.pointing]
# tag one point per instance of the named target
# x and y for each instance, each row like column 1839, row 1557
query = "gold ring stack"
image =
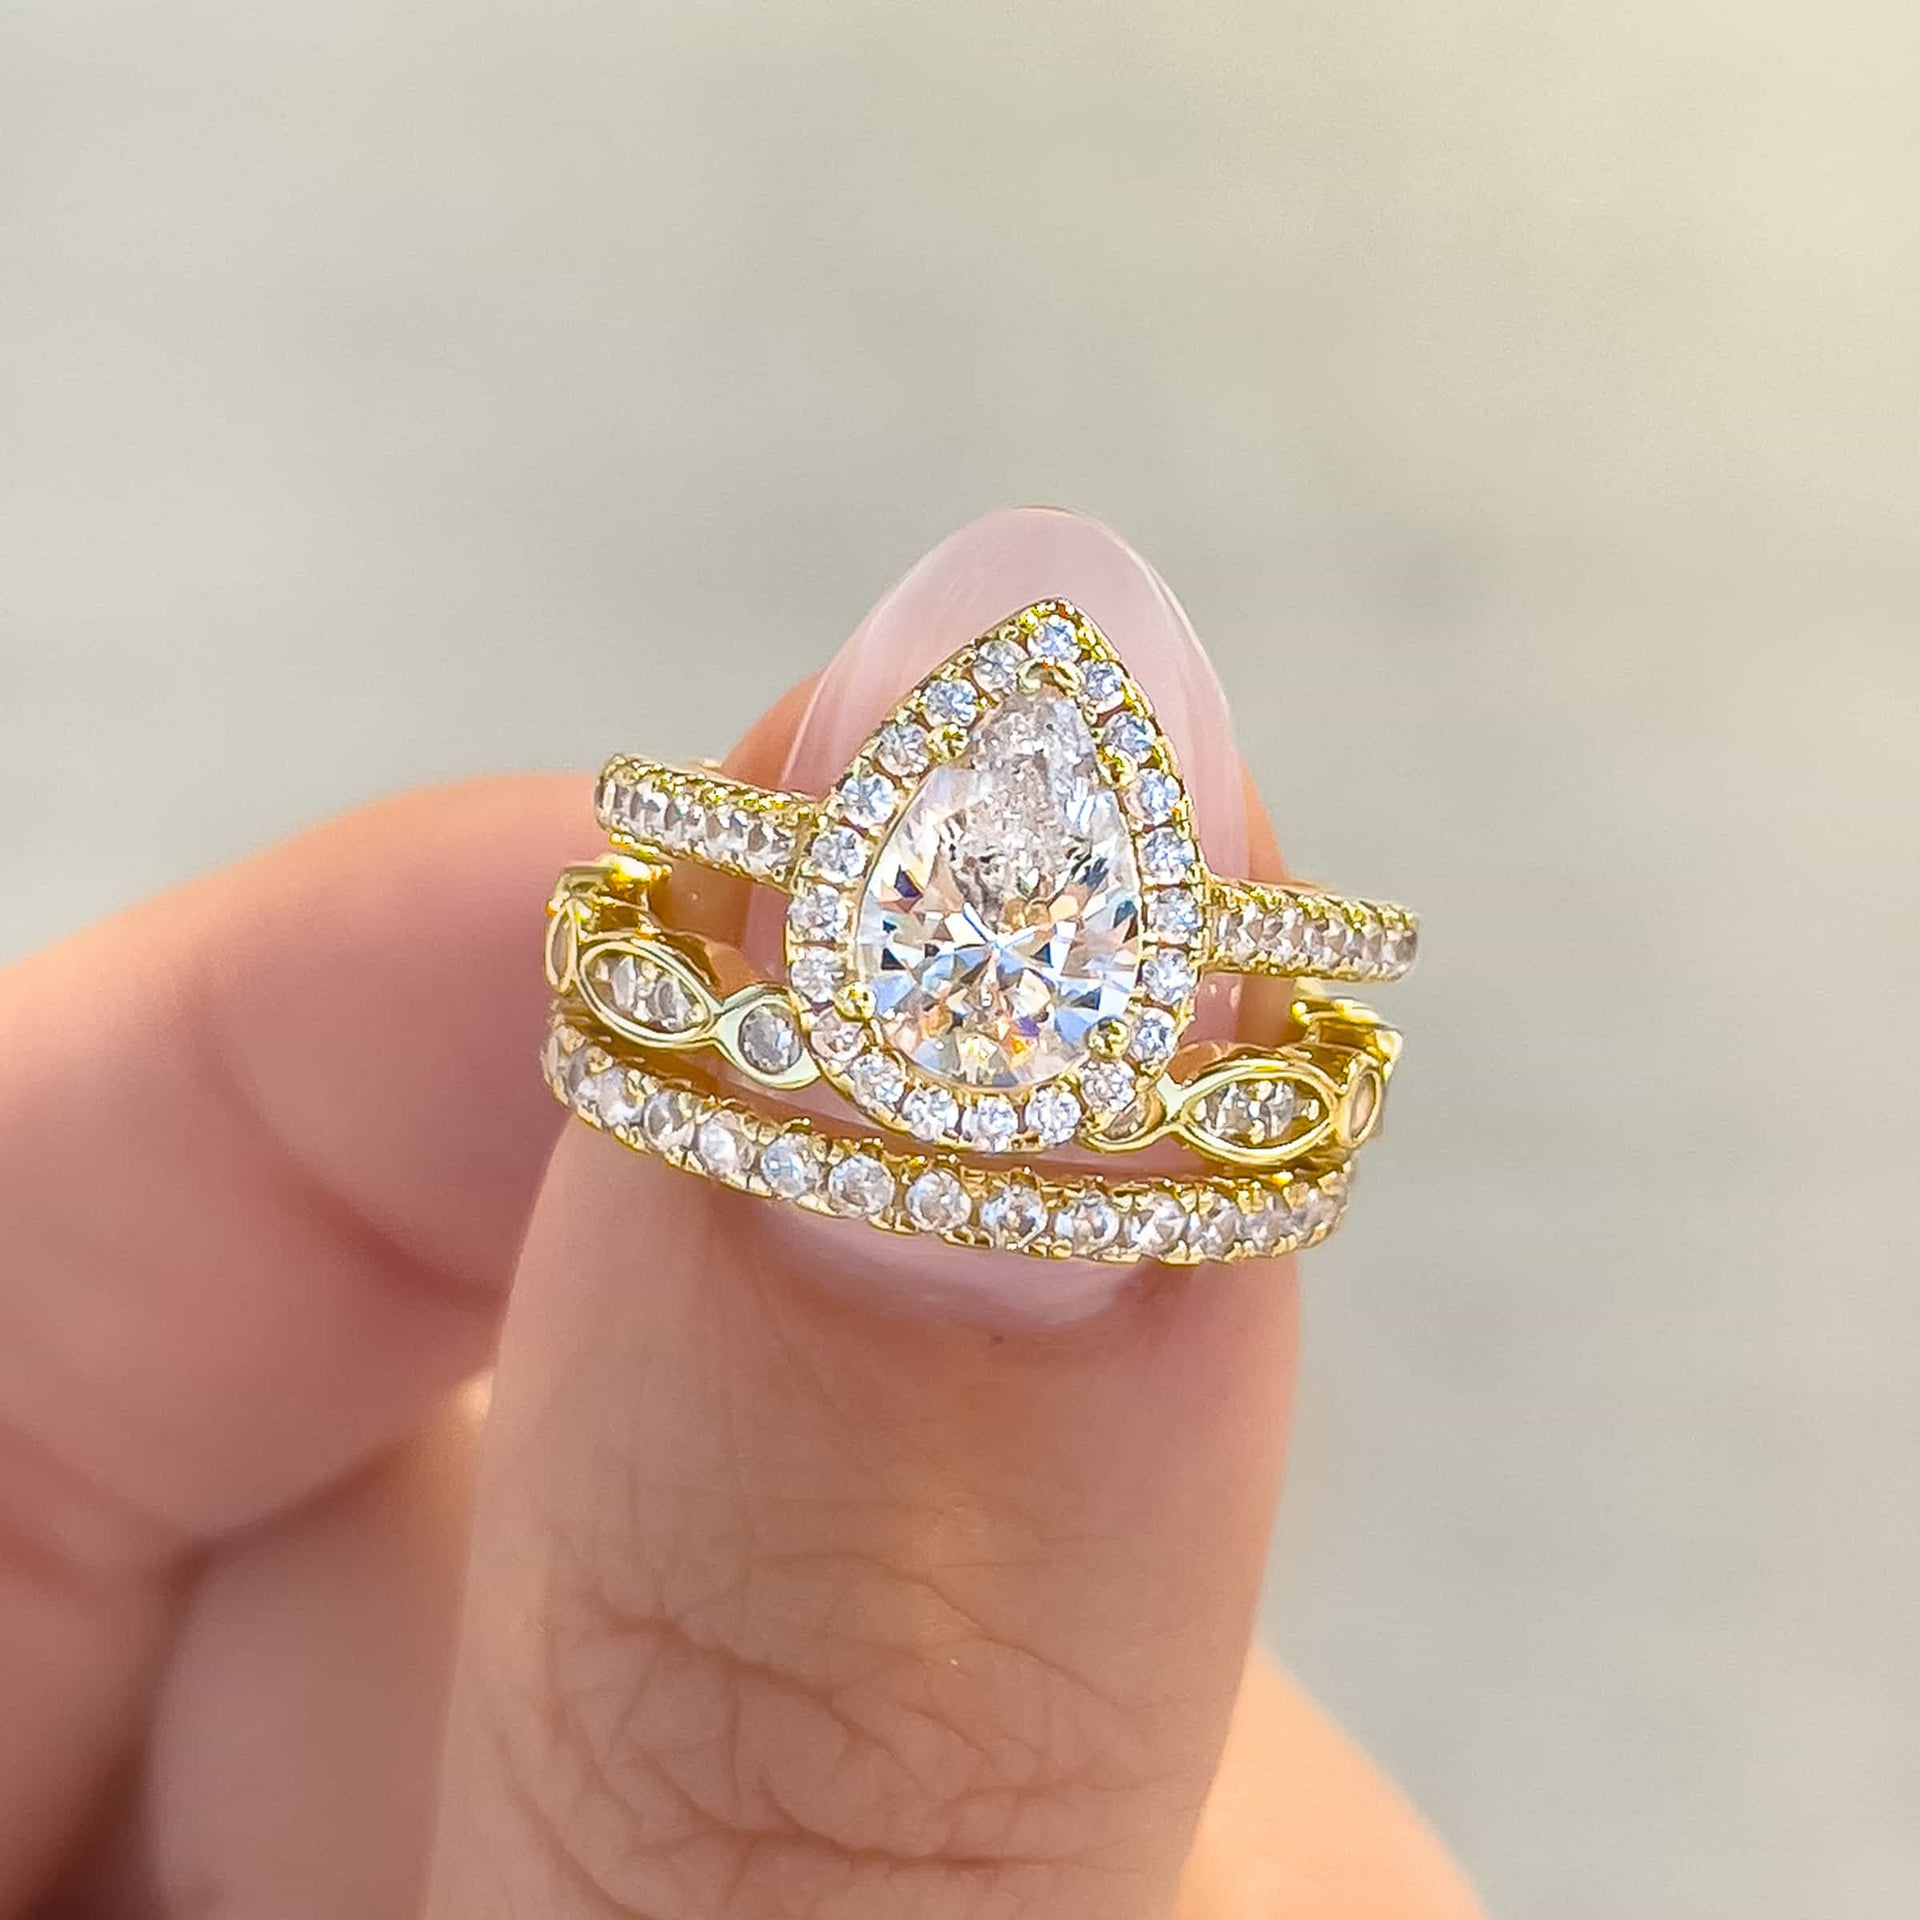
column 997, row 927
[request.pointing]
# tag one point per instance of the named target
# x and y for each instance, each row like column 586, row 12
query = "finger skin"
column 821, row 1573
column 1300, row 1826
column 267, row 1146
column 782, row 1605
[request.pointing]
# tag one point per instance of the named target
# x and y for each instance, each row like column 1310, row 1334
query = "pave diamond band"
column 1051, row 1215
column 1296, row 931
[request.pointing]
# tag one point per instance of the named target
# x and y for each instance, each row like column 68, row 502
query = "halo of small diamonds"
column 1048, row 652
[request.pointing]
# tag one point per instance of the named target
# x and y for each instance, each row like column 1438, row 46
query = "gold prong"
column 855, row 1001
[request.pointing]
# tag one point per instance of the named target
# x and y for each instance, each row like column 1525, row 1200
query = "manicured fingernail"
column 963, row 586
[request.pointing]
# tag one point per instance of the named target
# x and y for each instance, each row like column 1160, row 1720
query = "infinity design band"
column 997, row 925
column 613, row 962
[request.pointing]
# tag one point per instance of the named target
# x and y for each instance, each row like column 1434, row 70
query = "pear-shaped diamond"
column 1001, row 921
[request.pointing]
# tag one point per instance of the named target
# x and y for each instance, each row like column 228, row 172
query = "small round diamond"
column 996, row 666
column 1153, row 1037
column 878, row 1080
column 769, row 848
column 1016, row 1216
column 1328, row 938
column 1266, row 1229
column 1107, row 1085
column 1129, row 736
column 769, row 1041
column 867, row 798
column 1090, row 1224
column 1156, row 1224
column 860, row 1185
column 930, row 1113
column 666, row 1121
column 937, row 1202
column 790, row 1165
column 902, row 748
column 815, row 974
column 950, row 703
column 1055, row 641
column 991, row 1123
column 840, row 853
column 613, row 1095
column 1153, row 796
column 1215, row 1228
column 1166, row 855
column 725, row 1145
column 818, row 913
column 1102, row 683
column 669, row 1006
column 1278, row 931
column 1173, row 916
column 1167, row 976
column 686, row 821
column 1308, row 1209
column 1053, row 1113
column 836, row 1038
column 726, row 833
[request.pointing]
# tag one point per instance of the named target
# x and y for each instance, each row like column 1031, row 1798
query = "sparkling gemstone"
column 815, row 974
column 726, row 833
column 1153, row 1037
column 1102, row 683
column 1167, row 976
column 991, row 1123
column 769, row 847
column 937, row 1202
column 1166, row 855
column 930, row 1113
column 553, row 1056
column 1327, row 940
column 1215, row 1228
column 725, row 1145
column 1129, row 736
column 1107, row 1085
column 1250, row 1112
column 613, row 1097
column 950, row 703
column 577, row 1071
column 902, row 748
column 1266, row 1229
column 619, row 978
column 878, row 1080
column 996, row 666
column 1090, row 1224
column 1055, row 641
column 839, row 853
column 861, row 1185
column 790, row 1165
column 1277, row 932
column 1173, row 916
column 646, row 812
column 1001, row 920
column 1053, row 1113
column 1308, row 1209
column 1016, row 1216
column 769, row 1040
column 867, row 798
column 818, row 913
column 686, row 821
column 836, row 1038
column 666, row 1121
column 1153, row 796
column 1156, row 1224
column 668, row 1005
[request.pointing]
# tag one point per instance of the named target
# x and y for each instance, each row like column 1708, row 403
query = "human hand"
column 812, row 1572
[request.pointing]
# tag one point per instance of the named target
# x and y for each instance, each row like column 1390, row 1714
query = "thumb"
column 820, row 1572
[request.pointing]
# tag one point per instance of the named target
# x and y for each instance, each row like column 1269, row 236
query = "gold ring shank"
column 661, row 811
column 1054, row 1215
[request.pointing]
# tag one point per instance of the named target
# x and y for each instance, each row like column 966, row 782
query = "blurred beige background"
column 1523, row 399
